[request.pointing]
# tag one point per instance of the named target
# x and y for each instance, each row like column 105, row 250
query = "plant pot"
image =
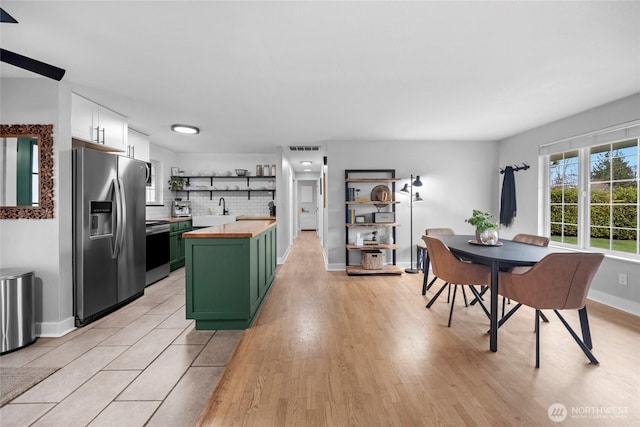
column 489, row 237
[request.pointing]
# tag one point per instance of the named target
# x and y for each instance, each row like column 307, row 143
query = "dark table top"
column 509, row 253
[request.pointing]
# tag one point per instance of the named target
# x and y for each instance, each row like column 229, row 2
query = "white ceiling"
column 257, row 75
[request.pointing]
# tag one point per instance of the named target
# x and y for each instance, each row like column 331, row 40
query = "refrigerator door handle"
column 118, row 222
column 123, row 209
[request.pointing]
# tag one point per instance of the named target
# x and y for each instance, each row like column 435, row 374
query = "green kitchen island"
column 229, row 270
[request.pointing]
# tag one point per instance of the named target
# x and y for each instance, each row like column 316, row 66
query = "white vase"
column 489, row 237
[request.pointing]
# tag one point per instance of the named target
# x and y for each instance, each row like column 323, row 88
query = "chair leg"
column 435, row 297
column 425, row 286
column 537, row 338
column 483, row 291
column 425, row 277
column 543, row 317
column 479, row 300
column 453, row 300
column 464, row 294
column 582, row 345
column 584, row 324
column 449, row 294
column 509, row 314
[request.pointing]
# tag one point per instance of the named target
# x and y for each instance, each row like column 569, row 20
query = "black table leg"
column 493, row 331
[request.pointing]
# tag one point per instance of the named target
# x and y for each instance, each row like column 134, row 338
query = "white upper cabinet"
column 138, row 145
column 83, row 115
column 94, row 123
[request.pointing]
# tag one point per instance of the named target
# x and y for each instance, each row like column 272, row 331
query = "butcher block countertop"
column 234, row 230
column 254, row 218
column 179, row 219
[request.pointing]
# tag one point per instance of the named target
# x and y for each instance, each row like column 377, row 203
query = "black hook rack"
column 517, row 168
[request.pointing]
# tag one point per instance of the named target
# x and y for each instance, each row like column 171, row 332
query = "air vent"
column 303, row 148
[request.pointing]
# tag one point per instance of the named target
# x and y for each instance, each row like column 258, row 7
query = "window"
column 563, row 200
column 592, row 193
column 154, row 195
column 613, row 189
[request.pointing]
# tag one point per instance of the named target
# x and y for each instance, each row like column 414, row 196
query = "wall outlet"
column 622, row 279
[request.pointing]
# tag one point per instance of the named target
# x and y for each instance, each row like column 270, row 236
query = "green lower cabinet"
column 176, row 244
column 227, row 279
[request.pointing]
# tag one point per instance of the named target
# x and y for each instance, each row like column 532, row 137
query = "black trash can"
column 17, row 309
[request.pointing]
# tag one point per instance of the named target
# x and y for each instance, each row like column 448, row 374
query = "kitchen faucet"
column 224, row 206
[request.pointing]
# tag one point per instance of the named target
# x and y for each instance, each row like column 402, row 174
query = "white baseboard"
column 55, row 329
column 615, row 302
column 282, row 259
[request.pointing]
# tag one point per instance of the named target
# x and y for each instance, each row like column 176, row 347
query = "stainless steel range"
column 158, row 256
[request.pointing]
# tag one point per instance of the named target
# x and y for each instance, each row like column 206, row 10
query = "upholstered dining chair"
column 448, row 268
column 425, row 262
column 560, row 281
column 529, row 239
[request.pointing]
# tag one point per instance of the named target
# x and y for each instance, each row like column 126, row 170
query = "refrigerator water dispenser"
column 101, row 219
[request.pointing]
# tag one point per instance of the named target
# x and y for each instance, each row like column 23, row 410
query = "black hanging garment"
column 508, row 199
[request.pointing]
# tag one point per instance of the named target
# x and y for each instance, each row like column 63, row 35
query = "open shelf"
column 364, row 208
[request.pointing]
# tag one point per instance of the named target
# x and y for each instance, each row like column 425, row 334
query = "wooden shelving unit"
column 370, row 178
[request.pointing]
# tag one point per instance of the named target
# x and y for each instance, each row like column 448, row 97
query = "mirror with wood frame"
column 26, row 173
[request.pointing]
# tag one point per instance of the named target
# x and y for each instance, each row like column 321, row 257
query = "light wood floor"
column 333, row 350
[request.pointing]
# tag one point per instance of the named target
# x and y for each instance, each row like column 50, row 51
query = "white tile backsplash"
column 237, row 203
column 205, row 203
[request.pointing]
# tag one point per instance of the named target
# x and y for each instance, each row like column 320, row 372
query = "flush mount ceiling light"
column 306, row 162
column 307, row 170
column 186, row 129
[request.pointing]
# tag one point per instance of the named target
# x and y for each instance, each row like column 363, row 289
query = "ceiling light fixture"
column 307, row 170
column 186, row 129
column 306, row 162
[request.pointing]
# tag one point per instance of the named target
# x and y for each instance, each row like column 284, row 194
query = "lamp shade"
column 418, row 198
column 417, row 182
column 405, row 189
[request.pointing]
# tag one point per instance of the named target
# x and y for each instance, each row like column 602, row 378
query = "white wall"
column 285, row 207
column 457, row 176
column 165, row 158
column 524, row 148
column 43, row 245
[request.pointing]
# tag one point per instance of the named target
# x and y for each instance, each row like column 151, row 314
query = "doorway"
column 308, row 204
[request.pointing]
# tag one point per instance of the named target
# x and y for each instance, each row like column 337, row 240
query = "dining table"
column 505, row 254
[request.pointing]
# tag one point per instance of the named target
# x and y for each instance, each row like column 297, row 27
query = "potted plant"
column 486, row 229
column 176, row 183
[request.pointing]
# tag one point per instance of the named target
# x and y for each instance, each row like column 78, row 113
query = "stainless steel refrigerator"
column 108, row 232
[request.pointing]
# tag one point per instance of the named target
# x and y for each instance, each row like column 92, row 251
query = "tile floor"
column 144, row 364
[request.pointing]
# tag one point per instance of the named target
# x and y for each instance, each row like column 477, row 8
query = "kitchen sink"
column 211, row 220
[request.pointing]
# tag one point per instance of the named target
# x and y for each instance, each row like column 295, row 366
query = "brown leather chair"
column 448, row 268
column 560, row 281
column 425, row 262
column 529, row 239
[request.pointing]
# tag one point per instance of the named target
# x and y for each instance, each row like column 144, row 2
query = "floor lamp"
column 416, row 198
